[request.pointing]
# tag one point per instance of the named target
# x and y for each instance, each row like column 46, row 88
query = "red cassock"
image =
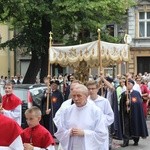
column 9, row 130
column 10, row 101
column 38, row 136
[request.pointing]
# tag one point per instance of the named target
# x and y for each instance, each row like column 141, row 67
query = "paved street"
column 144, row 144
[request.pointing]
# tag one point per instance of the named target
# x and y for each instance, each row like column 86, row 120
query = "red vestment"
column 9, row 130
column 144, row 90
column 10, row 101
column 38, row 136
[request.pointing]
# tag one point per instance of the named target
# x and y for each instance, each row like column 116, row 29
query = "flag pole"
column 49, row 69
column 100, row 58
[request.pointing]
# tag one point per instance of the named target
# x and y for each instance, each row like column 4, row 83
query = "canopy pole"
column 99, row 50
column 100, row 59
column 50, row 99
column 127, row 66
column 49, row 69
column 126, row 42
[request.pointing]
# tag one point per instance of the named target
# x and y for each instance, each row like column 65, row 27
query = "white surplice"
column 64, row 105
column 88, row 118
column 105, row 106
column 15, row 114
column 18, row 145
column 51, row 147
column 15, row 145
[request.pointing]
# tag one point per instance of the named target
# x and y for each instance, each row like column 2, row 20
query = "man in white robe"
column 81, row 126
column 104, row 105
column 66, row 103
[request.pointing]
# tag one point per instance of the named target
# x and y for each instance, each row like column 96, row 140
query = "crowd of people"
column 81, row 116
column 142, row 85
column 18, row 79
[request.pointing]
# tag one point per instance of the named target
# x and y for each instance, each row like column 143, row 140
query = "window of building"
column 110, row 29
column 144, row 24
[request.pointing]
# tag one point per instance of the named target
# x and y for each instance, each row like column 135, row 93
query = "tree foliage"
column 71, row 21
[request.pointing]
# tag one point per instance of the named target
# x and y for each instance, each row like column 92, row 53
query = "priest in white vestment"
column 66, row 103
column 81, row 126
column 104, row 105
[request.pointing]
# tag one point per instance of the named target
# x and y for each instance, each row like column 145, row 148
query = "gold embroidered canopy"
column 72, row 55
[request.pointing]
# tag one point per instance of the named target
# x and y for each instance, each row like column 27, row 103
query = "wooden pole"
column 126, row 42
column 49, row 76
column 100, row 59
column 99, row 50
column 127, row 64
column 49, row 70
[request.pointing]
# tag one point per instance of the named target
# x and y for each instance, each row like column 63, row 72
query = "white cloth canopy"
column 89, row 52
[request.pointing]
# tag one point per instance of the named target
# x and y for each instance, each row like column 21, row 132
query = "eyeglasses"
column 91, row 89
column 71, row 78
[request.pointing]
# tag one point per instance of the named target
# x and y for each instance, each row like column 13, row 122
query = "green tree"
column 70, row 21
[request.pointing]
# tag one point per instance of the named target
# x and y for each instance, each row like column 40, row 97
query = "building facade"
column 6, row 55
column 139, row 29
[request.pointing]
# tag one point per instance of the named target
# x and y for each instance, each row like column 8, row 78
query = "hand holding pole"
column 49, row 70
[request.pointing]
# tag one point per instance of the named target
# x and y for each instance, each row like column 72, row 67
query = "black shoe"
column 135, row 144
column 125, row 144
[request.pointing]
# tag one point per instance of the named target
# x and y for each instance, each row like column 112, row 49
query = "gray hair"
column 82, row 88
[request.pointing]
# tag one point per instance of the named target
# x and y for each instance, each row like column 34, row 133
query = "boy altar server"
column 11, row 104
column 36, row 137
column 104, row 105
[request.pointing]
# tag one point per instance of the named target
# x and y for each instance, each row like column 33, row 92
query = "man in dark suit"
column 132, row 116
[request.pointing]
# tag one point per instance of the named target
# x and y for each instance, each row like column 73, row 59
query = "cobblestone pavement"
column 144, row 144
